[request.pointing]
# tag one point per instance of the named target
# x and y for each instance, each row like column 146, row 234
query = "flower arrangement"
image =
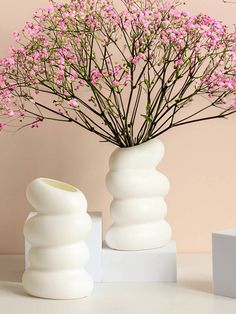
column 127, row 75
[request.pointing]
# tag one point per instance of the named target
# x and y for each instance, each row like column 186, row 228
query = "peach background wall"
column 200, row 160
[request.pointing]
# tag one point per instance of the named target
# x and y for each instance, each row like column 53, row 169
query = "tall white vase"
column 57, row 233
column 138, row 208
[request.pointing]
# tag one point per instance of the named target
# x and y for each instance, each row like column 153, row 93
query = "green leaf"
column 149, row 119
column 148, row 83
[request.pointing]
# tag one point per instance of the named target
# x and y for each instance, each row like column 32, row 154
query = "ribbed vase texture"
column 138, row 208
column 57, row 236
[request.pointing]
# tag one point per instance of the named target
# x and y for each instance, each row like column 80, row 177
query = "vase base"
column 139, row 236
column 57, row 285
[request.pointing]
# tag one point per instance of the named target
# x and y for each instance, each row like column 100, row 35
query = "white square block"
column 224, row 262
column 94, row 242
column 157, row 265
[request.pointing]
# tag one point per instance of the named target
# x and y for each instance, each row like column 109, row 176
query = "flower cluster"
column 104, row 67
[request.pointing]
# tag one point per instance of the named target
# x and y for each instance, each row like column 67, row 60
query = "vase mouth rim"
column 155, row 139
column 59, row 185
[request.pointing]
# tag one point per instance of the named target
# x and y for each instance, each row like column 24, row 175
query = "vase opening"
column 60, row 185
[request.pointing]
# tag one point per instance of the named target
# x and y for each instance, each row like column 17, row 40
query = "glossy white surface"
column 57, row 233
column 191, row 295
column 108, row 265
column 94, row 243
column 138, row 208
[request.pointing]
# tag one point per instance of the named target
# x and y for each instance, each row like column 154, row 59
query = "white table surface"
column 191, row 295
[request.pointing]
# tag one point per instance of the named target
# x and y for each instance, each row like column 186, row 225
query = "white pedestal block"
column 94, row 243
column 224, row 262
column 156, row 265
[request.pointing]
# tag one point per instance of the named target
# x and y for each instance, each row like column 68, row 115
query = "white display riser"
column 156, row 265
column 107, row 265
column 224, row 262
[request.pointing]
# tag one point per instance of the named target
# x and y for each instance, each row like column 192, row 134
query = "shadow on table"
column 12, row 288
column 199, row 285
column 11, row 268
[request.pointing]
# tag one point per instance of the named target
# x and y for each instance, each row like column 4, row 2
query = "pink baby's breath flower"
column 59, row 108
column 16, row 35
column 73, row 103
column 95, row 76
column 135, row 60
column 116, row 83
column 32, row 72
column 166, row 23
column 2, row 125
column 62, row 24
column 134, row 48
column 179, row 61
column 8, row 112
column 127, row 77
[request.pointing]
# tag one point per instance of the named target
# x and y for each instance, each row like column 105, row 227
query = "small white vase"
column 57, row 233
column 138, row 208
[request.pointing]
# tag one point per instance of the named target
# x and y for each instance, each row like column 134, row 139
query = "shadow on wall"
column 11, row 269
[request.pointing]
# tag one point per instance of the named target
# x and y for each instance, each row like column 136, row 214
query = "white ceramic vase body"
column 138, row 208
column 57, row 233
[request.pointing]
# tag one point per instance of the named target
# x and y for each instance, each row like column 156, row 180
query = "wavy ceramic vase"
column 138, row 208
column 57, row 234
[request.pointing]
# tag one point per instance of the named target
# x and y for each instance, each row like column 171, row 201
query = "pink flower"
column 135, row 60
column 95, row 76
column 115, row 70
column 32, row 72
column 116, row 83
column 179, row 61
column 166, row 23
column 59, row 109
column 54, row 55
column 8, row 112
column 2, row 125
column 73, row 103
column 127, row 77
column 16, row 35
column 62, row 24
